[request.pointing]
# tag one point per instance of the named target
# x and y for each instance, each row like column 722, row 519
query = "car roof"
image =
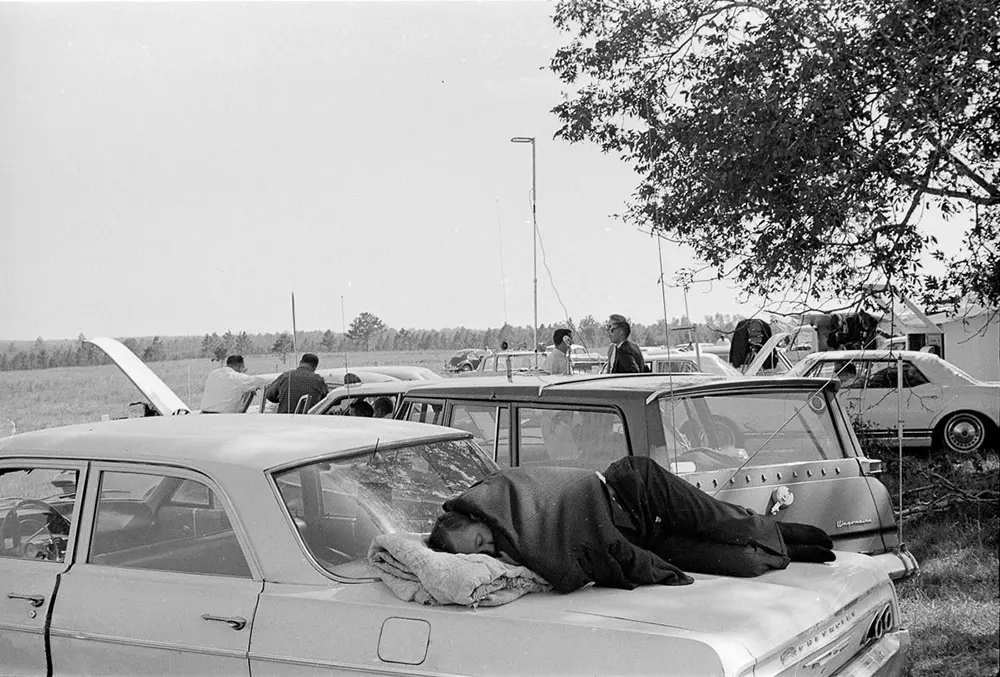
column 877, row 353
column 255, row 442
column 367, row 390
column 621, row 385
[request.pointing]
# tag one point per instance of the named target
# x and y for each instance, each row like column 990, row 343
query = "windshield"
column 738, row 430
column 339, row 505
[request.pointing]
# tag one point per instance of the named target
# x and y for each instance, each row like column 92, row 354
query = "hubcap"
column 965, row 434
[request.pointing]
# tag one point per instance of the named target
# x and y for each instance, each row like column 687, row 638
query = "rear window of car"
column 339, row 505
column 718, row 431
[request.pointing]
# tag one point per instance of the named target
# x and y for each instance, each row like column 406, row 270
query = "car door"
column 39, row 514
column 921, row 399
column 163, row 584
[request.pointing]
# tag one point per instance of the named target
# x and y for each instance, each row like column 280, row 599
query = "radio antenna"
column 343, row 325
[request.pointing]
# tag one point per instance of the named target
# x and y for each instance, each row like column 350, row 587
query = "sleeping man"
column 636, row 524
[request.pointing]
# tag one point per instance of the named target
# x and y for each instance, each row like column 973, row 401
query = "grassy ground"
column 952, row 608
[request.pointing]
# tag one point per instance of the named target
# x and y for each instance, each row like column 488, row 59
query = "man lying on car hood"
column 636, row 524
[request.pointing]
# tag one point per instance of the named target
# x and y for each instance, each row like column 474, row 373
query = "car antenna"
column 670, row 371
column 290, row 409
column 343, row 326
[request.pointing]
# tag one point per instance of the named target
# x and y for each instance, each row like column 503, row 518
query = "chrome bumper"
column 884, row 658
column 898, row 565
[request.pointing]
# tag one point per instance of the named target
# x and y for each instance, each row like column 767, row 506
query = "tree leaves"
column 791, row 144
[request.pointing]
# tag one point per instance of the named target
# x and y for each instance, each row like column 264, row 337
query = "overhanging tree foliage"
column 796, row 144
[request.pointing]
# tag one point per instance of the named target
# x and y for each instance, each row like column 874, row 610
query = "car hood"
column 159, row 394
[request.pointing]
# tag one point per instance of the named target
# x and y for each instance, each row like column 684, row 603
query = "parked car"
column 466, row 359
column 340, row 399
column 942, row 406
column 776, row 445
column 237, row 545
column 676, row 362
column 516, row 361
column 165, row 402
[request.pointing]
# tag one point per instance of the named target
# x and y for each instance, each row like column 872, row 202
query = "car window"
column 674, row 367
column 850, row 374
column 489, row 425
column 166, row 523
column 712, row 432
column 339, row 505
column 36, row 509
column 424, row 412
column 883, row 375
column 573, row 437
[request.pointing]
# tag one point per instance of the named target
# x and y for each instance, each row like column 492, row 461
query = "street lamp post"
column 534, row 241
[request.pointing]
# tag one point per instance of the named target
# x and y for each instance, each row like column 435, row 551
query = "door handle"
column 235, row 622
column 33, row 600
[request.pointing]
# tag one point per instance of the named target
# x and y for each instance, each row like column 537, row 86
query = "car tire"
column 466, row 367
column 962, row 432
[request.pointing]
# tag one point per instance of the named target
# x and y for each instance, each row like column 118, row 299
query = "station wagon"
column 776, row 445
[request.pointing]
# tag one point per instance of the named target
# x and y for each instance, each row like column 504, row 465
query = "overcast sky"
column 177, row 169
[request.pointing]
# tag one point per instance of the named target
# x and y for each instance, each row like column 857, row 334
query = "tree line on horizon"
column 367, row 332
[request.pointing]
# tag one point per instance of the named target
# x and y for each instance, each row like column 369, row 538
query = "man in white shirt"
column 226, row 387
column 557, row 362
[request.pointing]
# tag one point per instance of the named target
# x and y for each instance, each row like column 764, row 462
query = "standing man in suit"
column 624, row 356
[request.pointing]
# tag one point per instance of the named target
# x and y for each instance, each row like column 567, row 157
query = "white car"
column 689, row 363
column 942, row 406
column 237, row 545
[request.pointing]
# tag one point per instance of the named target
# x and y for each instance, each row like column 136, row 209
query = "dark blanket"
column 558, row 523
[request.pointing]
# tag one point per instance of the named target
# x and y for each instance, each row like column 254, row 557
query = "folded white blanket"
column 416, row 573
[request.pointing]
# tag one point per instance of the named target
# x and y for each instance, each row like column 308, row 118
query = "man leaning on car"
column 226, row 387
column 294, row 384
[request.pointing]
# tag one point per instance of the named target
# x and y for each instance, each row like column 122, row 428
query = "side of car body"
column 941, row 405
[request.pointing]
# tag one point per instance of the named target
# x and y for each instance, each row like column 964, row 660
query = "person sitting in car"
column 635, row 524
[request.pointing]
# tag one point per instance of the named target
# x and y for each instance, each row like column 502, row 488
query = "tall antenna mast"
column 293, row 324
column 503, row 278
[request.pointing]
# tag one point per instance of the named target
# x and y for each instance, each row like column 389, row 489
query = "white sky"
column 179, row 169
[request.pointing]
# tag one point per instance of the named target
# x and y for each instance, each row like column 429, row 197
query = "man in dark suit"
column 294, row 384
column 635, row 524
column 624, row 356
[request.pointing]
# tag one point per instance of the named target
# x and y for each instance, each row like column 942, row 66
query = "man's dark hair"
column 234, row 361
column 848, row 370
column 443, row 526
column 559, row 334
column 619, row 320
column 310, row 359
column 362, row 408
column 382, row 406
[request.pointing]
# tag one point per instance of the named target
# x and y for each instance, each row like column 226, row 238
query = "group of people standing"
column 228, row 388
column 624, row 356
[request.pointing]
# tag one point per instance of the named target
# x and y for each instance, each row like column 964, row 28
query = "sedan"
column 236, row 545
column 466, row 359
column 942, row 406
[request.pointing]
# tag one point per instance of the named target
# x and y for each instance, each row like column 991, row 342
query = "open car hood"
column 159, row 394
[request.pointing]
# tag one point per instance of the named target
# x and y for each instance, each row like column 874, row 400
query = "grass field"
column 952, row 608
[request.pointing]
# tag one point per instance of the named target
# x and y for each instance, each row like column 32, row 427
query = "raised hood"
column 159, row 394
